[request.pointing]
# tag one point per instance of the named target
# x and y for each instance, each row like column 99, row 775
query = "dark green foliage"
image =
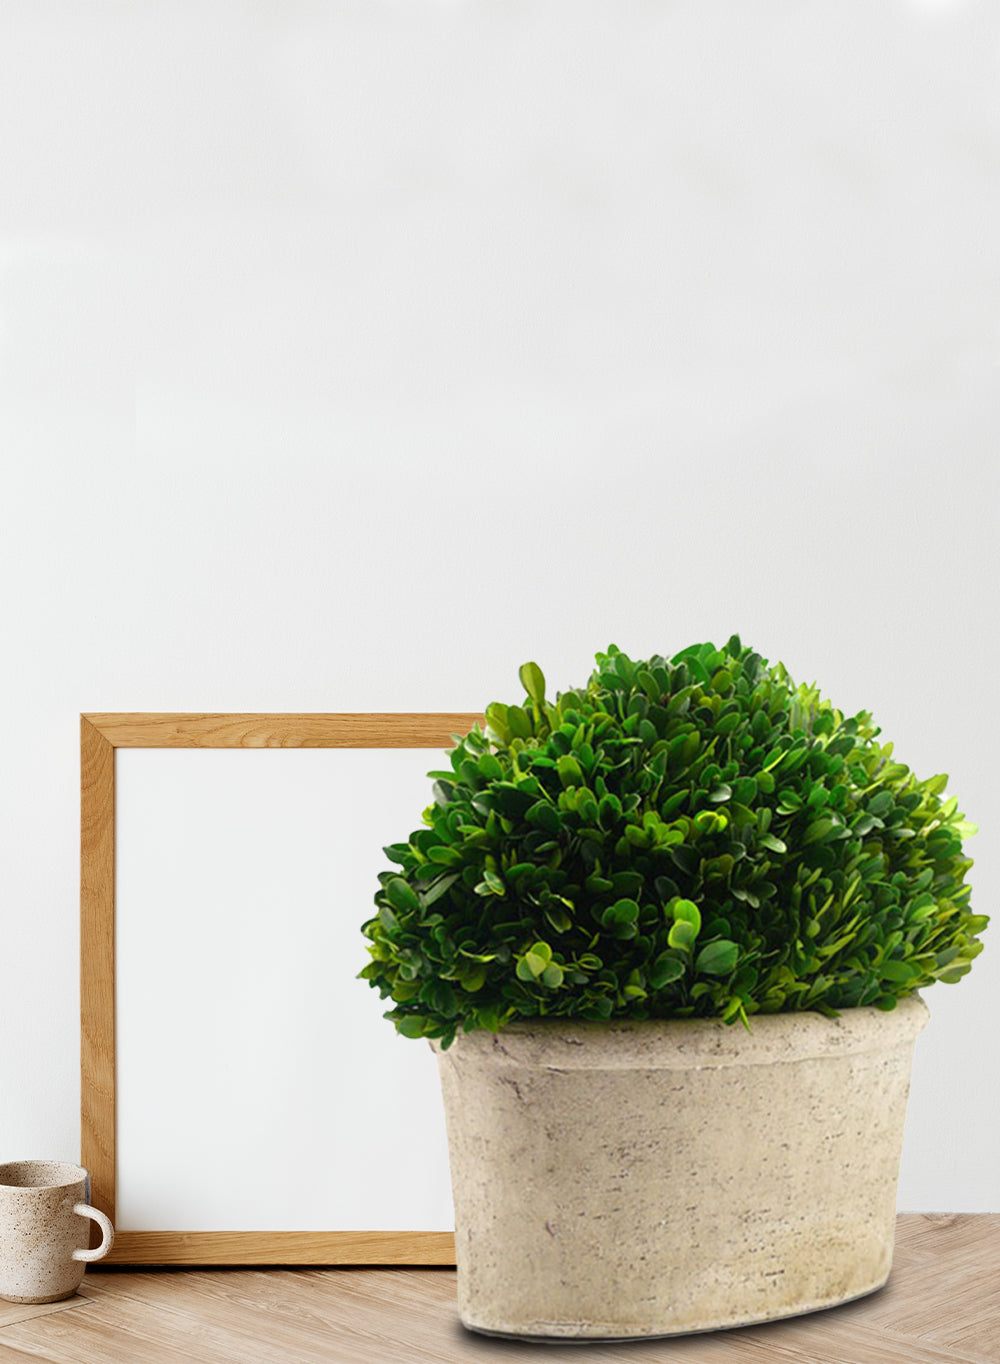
column 692, row 837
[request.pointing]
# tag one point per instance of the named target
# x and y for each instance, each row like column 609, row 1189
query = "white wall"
column 354, row 353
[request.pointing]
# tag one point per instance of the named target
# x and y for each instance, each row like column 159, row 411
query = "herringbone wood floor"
column 942, row 1304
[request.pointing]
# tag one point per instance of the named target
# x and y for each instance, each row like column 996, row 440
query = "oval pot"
column 615, row 1180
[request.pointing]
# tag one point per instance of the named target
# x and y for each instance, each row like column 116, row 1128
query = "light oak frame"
column 100, row 736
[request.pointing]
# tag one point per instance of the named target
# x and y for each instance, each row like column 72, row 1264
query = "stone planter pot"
column 614, row 1180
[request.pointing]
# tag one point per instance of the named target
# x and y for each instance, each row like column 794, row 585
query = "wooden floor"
column 942, row 1303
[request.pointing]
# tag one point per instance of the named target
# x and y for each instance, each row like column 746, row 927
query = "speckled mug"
column 44, row 1231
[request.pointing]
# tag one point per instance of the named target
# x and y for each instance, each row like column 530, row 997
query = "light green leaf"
column 569, row 771
column 682, row 934
column 518, row 722
column 533, row 682
column 497, row 727
column 686, row 911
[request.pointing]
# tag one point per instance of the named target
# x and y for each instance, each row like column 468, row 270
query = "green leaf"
column 864, row 824
column 497, row 725
column 401, row 894
column 624, row 911
column 558, row 918
column 437, row 888
column 444, row 855
column 685, row 857
column 552, row 976
column 686, row 911
column 682, row 934
column 694, row 666
column 533, row 682
column 569, row 771
column 665, row 970
column 398, row 852
column 537, row 958
column 489, row 767
column 544, row 815
column 491, row 884
column 903, row 972
column 775, row 844
column 518, row 722
column 648, row 683
column 717, row 958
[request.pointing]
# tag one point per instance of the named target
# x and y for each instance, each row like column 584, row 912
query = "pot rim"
column 690, row 1043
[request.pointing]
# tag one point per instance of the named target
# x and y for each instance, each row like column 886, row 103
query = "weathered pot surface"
column 615, row 1180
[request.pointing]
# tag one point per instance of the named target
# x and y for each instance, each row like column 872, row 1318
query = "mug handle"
column 108, row 1231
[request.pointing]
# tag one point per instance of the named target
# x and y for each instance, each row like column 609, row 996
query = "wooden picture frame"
column 100, row 735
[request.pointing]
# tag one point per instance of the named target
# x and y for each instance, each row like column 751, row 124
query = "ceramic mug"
column 44, row 1230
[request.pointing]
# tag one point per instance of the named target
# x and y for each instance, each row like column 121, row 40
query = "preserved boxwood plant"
column 697, row 837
